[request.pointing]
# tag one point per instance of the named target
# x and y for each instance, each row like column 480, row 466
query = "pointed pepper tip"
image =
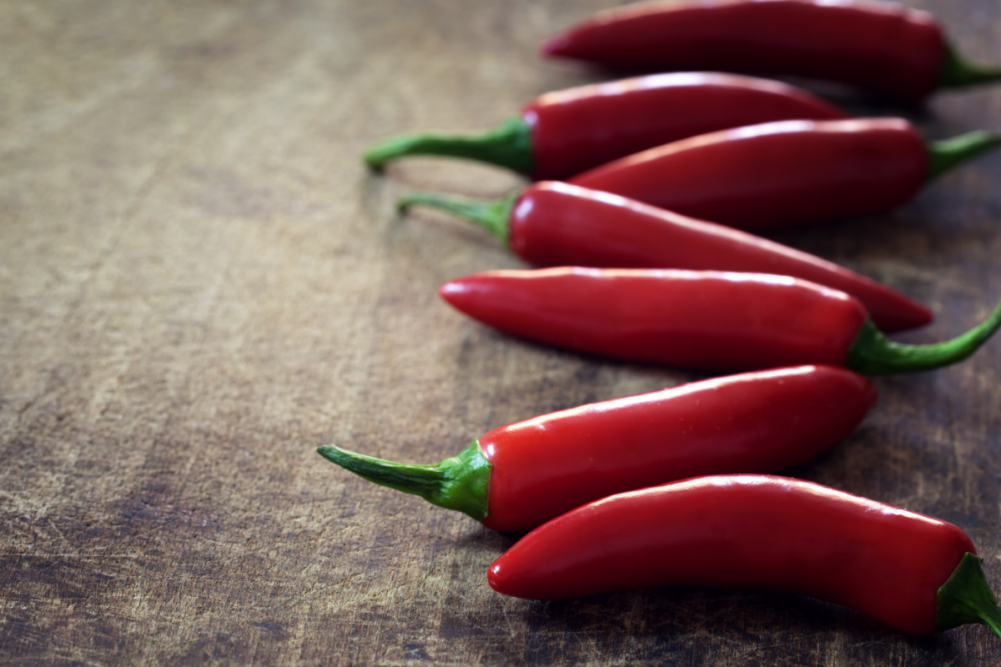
column 555, row 45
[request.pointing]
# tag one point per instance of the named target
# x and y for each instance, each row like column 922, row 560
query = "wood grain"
column 200, row 283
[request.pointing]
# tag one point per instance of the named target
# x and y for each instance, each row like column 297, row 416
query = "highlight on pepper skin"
column 702, row 320
column 913, row 572
column 789, row 173
column 883, row 47
column 558, row 224
column 519, row 476
column 563, row 133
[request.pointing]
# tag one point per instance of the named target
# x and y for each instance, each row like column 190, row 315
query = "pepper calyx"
column 493, row 216
column 957, row 71
column 945, row 154
column 457, row 483
column 508, row 145
column 873, row 353
column 966, row 597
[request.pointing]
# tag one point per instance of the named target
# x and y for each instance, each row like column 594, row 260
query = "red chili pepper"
column 780, row 174
column 915, row 573
column 879, row 46
column 564, row 133
column 519, row 476
column 556, row 224
column 703, row 320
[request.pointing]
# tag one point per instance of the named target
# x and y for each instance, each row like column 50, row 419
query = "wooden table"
column 200, row 283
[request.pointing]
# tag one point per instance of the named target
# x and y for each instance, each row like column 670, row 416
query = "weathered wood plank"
column 199, row 283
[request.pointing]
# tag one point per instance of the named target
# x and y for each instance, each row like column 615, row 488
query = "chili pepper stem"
column 957, row 71
column 946, row 154
column 873, row 353
column 457, row 483
column 492, row 216
column 967, row 598
column 507, row 145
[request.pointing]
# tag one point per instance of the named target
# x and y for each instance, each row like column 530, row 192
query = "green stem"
column 492, row 216
column 957, row 71
column 946, row 154
column 507, row 145
column 873, row 353
column 458, row 483
column 967, row 598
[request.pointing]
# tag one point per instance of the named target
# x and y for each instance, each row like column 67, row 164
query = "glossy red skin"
column 884, row 47
column 753, row 422
column 700, row 320
column 581, row 128
column 777, row 174
column 556, row 224
column 743, row 531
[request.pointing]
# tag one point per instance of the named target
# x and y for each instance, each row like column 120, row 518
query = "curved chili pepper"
column 516, row 477
column 880, row 46
column 566, row 132
column 702, row 320
column 556, row 224
column 780, row 174
column 913, row 572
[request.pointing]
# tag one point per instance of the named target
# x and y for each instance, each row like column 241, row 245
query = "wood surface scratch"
column 200, row 283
